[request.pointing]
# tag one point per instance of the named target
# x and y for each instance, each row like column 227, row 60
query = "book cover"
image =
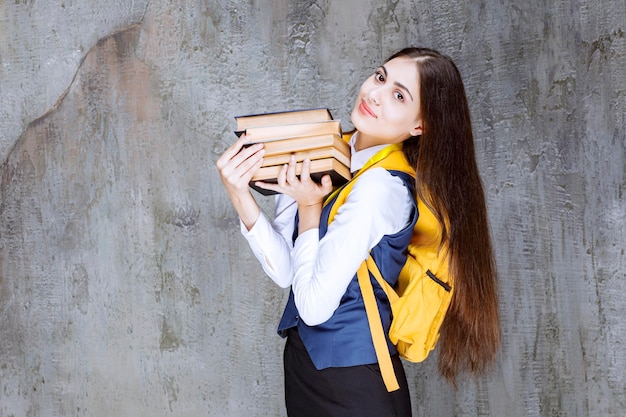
column 282, row 118
column 304, row 143
column 312, row 154
column 290, row 131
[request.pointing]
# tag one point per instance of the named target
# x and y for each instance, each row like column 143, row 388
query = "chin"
column 357, row 119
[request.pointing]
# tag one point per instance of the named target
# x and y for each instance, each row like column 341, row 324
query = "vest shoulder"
column 396, row 161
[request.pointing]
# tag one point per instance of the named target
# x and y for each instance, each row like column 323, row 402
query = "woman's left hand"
column 308, row 194
column 304, row 190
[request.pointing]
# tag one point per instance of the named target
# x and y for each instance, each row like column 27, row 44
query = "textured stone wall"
column 125, row 286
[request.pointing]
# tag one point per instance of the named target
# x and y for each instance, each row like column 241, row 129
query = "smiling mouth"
column 364, row 108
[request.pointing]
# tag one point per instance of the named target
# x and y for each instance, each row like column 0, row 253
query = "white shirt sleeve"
column 271, row 243
column 378, row 204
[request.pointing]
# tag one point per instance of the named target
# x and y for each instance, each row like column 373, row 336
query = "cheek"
column 367, row 86
column 399, row 115
column 403, row 115
column 399, row 121
column 359, row 96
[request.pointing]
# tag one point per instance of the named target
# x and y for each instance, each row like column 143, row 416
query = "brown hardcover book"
column 275, row 147
column 282, row 118
column 279, row 132
column 339, row 173
column 312, row 154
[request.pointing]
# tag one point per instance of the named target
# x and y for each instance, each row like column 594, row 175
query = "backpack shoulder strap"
column 373, row 317
column 391, row 158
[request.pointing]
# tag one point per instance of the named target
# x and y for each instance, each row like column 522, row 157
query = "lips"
column 364, row 108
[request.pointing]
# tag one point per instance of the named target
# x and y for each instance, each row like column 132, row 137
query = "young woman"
column 414, row 103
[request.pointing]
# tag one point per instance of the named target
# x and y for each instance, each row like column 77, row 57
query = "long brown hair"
column 448, row 181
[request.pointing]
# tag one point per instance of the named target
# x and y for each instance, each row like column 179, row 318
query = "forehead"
column 402, row 67
column 403, row 70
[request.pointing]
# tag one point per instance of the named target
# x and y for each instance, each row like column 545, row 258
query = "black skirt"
column 340, row 392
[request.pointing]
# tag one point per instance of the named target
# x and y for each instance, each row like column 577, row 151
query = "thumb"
column 327, row 184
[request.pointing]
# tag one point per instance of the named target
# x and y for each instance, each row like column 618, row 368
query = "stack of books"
column 305, row 134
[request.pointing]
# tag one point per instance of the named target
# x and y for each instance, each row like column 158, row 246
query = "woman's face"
column 387, row 108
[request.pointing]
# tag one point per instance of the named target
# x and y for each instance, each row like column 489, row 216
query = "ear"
column 417, row 130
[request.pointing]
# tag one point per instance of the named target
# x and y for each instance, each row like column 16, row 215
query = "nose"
column 374, row 96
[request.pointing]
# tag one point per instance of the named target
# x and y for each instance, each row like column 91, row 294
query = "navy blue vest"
column 345, row 339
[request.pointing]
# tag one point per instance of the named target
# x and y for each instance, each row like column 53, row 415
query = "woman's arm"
column 378, row 204
column 272, row 243
column 236, row 167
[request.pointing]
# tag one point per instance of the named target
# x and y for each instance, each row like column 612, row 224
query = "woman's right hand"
column 236, row 166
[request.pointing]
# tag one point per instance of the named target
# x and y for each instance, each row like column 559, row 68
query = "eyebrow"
column 400, row 85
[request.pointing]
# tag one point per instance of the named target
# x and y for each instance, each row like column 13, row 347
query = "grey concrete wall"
column 125, row 287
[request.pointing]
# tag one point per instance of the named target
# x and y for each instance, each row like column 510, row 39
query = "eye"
column 379, row 76
column 398, row 95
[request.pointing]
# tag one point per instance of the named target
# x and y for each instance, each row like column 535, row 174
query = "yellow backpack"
column 420, row 300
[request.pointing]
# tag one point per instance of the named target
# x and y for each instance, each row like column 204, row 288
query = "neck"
column 363, row 141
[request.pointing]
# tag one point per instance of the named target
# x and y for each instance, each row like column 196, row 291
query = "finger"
column 248, row 166
column 269, row 186
column 244, row 159
column 240, row 169
column 326, row 184
column 291, row 170
column 256, row 151
column 231, row 151
column 305, row 174
column 238, row 148
column 281, row 179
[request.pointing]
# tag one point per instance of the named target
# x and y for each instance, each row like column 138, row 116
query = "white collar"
column 358, row 159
